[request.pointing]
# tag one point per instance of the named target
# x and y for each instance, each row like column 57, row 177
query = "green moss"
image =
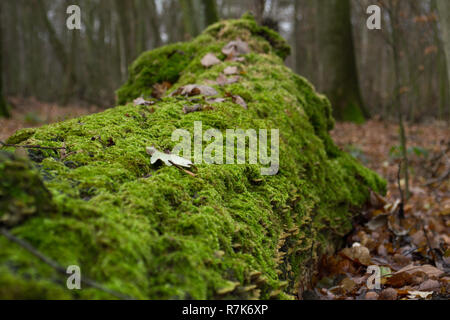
column 158, row 233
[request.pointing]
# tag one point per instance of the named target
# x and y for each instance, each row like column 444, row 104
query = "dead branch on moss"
column 26, row 146
column 182, row 169
column 27, row 246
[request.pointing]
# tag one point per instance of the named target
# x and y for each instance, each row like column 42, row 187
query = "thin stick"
column 30, row 146
column 56, row 266
column 401, row 211
column 182, row 169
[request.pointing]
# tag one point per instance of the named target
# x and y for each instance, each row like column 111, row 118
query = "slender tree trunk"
column 60, row 52
column 154, row 22
column 4, row 107
column 394, row 13
column 210, row 11
column 189, row 18
column 443, row 7
column 340, row 79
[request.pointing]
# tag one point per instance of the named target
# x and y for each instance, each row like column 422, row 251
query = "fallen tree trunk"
column 91, row 198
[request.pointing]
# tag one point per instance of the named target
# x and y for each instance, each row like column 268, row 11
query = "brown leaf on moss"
column 210, row 60
column 230, row 70
column 142, row 102
column 159, row 89
column 238, row 100
column 223, row 80
column 235, row 48
column 196, row 107
column 194, row 90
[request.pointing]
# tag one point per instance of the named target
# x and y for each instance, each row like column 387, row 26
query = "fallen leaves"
column 357, row 253
column 223, row 80
column 235, row 48
column 142, row 102
column 407, row 243
column 167, row 158
column 194, row 90
column 159, row 89
column 230, row 70
column 210, row 60
column 239, row 100
column 197, row 107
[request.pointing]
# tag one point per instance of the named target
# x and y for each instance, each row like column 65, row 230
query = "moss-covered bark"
column 156, row 232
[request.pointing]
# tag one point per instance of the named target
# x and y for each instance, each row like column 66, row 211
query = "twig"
column 27, row 246
column 429, row 244
column 182, row 169
column 401, row 211
column 438, row 179
column 30, row 146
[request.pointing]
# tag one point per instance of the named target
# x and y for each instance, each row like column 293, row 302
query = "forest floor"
column 408, row 241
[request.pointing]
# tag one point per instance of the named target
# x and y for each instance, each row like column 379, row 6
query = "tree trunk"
column 160, row 232
column 336, row 51
column 443, row 7
column 210, row 12
column 4, row 107
column 60, row 52
column 189, row 18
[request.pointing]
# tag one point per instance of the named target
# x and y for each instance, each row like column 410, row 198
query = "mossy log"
column 158, row 233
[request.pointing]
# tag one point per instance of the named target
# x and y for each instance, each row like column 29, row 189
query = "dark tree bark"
column 4, row 107
column 443, row 7
column 210, row 11
column 60, row 52
column 189, row 19
column 338, row 58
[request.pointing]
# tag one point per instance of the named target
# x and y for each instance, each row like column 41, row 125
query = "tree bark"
column 443, row 7
column 210, row 12
column 60, row 52
column 336, row 52
column 189, row 18
column 4, row 107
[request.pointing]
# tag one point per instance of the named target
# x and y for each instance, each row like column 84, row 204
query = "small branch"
column 439, row 179
column 401, row 211
column 182, row 169
column 56, row 266
column 30, row 146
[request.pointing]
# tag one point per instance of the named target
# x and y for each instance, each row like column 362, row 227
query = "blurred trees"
column 333, row 48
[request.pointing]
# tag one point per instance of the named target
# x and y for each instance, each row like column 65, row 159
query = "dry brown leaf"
column 194, row 108
column 223, row 80
column 216, row 100
column 429, row 270
column 210, row 60
column 358, row 254
column 230, row 70
column 195, row 89
column 159, row 89
column 235, row 48
column 238, row 100
column 142, row 102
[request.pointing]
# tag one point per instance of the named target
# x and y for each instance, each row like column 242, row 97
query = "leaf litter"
column 409, row 242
